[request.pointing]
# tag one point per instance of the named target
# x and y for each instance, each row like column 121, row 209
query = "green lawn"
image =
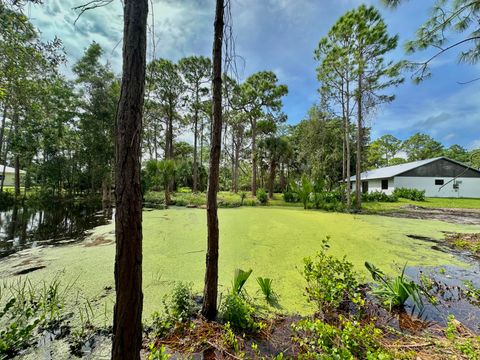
column 270, row 240
column 451, row 203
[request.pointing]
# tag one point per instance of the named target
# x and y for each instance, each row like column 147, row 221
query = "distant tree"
column 166, row 89
column 448, row 18
column 374, row 74
column 166, row 175
column 260, row 95
column 382, row 150
column 127, row 317
column 276, row 149
column 196, row 71
column 422, row 146
column 397, row 161
column 457, row 152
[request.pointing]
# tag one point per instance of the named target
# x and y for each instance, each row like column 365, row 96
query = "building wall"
column 469, row 187
column 9, row 179
column 376, row 185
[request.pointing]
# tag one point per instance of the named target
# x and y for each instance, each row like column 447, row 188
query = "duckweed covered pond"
column 271, row 241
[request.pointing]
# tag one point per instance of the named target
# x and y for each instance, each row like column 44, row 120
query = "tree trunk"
column 236, row 168
column 17, row 176
column 2, row 126
column 347, row 146
column 127, row 320
column 195, row 135
column 254, row 158
column 271, row 181
column 283, row 180
column 358, row 167
column 209, row 308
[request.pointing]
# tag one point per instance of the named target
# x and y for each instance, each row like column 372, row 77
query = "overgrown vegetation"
column 411, row 194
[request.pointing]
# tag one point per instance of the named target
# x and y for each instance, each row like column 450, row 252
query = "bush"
column 331, row 282
column 290, row 197
column 6, row 199
column 351, row 340
column 262, row 196
column 411, row 194
column 379, row 196
column 182, row 304
column 238, row 312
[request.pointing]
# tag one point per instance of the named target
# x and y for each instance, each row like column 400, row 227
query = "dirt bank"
column 454, row 216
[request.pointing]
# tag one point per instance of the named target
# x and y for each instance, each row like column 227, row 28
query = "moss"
column 272, row 241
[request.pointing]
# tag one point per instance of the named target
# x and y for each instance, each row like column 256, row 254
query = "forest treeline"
column 60, row 130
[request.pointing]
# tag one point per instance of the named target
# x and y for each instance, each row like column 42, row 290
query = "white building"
column 9, row 175
column 439, row 177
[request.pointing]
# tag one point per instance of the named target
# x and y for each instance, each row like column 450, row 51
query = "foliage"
column 290, row 196
column 411, row 194
column 350, row 340
column 395, row 292
column 262, row 196
column 382, row 150
column 230, row 339
column 302, row 190
column 243, row 196
column 267, row 289
column 157, row 353
column 26, row 308
column 239, row 279
column 182, row 305
column 422, row 146
column 238, row 312
column 160, row 325
column 331, row 282
column 379, row 196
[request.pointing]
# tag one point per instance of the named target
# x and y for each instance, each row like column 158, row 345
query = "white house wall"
column 469, row 187
column 376, row 185
column 9, row 179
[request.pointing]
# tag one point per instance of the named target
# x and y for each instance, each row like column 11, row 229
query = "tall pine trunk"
column 358, row 167
column 209, row 308
column 271, row 180
column 195, row 162
column 127, row 321
column 254, row 158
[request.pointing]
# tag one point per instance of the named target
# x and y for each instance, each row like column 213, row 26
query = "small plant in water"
column 266, row 288
column 395, row 292
column 239, row 279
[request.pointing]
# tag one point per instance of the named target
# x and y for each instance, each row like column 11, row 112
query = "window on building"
column 439, row 182
column 385, row 184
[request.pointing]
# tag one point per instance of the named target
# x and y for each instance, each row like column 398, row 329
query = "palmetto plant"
column 239, row 279
column 394, row 292
column 303, row 190
column 167, row 170
column 267, row 289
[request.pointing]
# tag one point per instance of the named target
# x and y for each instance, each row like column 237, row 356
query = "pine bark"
column 358, row 167
column 209, row 308
column 127, row 322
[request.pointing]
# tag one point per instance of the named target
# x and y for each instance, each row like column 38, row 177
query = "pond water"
column 57, row 223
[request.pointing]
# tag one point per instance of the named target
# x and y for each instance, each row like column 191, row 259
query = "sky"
column 281, row 35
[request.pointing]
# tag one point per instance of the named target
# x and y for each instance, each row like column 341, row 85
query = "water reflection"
column 57, row 223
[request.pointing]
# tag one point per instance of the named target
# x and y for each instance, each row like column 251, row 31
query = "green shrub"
column 182, row 304
column 350, row 340
column 395, row 292
column 243, row 196
column 160, row 325
column 411, row 194
column 379, row 196
column 6, row 199
column 302, row 190
column 262, row 196
column 157, row 353
column 290, row 197
column 238, row 312
column 184, row 190
column 331, row 282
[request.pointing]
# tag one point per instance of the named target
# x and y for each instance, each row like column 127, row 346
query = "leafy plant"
column 158, row 353
column 302, row 190
column 331, row 282
column 266, row 288
column 379, row 196
column 290, row 196
column 411, row 194
column 182, row 304
column 262, row 196
column 230, row 339
column 243, row 196
column 239, row 279
column 350, row 340
column 395, row 292
column 238, row 312
column 160, row 325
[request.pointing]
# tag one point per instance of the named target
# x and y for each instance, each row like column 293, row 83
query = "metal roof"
column 391, row 171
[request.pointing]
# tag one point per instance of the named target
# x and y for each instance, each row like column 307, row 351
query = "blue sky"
column 281, row 35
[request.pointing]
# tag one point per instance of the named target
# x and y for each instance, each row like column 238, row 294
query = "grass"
column 272, row 241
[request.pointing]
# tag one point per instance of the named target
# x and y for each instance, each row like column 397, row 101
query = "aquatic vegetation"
column 239, row 279
column 267, row 289
column 394, row 292
column 331, row 282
